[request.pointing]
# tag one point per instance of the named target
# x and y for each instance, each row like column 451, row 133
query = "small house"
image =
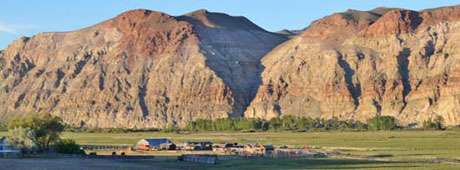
column 155, row 144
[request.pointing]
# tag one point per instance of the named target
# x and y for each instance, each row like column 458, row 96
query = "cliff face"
column 139, row 69
column 149, row 69
column 359, row 64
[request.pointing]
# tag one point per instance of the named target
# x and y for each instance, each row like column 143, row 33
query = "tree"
column 246, row 124
column 359, row 125
column 436, row 123
column 170, row 128
column 382, row 123
column 42, row 129
column 307, row 123
column 289, row 122
column 264, row 125
column 275, row 123
column 335, row 124
column 3, row 127
column 224, row 124
column 68, row 146
column 22, row 138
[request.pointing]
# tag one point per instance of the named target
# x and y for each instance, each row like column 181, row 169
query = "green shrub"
column 305, row 124
column 170, row 129
column 359, row 125
column 275, row 124
column 336, row 124
column 382, row 123
column 293, row 123
column 3, row 127
column 264, row 125
column 67, row 146
column 228, row 124
column 436, row 123
column 289, row 123
column 201, row 125
column 224, row 124
column 246, row 124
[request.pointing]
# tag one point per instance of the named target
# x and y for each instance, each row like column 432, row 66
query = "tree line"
column 285, row 123
column 293, row 123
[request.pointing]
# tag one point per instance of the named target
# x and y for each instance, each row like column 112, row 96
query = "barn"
column 155, row 144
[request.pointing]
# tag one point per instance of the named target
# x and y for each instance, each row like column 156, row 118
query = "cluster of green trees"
column 35, row 131
column 69, row 128
column 40, row 133
column 42, row 130
column 291, row 123
column 382, row 123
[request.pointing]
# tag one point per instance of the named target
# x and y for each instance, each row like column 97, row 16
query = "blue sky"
column 28, row 17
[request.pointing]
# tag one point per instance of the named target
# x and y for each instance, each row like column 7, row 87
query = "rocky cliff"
column 140, row 69
column 358, row 64
column 149, row 69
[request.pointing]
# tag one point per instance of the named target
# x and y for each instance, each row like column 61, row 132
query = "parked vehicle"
column 191, row 146
column 228, row 148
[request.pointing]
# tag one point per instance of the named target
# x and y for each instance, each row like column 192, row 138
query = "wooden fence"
column 119, row 157
column 207, row 159
column 294, row 154
column 105, row 147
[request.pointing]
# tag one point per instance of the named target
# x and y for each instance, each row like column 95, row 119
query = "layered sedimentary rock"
column 140, row 69
column 359, row 64
column 149, row 69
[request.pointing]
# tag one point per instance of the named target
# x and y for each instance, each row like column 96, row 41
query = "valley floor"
column 171, row 164
column 352, row 150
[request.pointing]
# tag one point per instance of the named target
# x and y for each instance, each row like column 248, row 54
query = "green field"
column 357, row 150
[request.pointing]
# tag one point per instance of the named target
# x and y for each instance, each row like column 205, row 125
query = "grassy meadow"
column 358, row 150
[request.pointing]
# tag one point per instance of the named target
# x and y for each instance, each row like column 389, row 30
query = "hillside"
column 140, row 69
column 144, row 69
column 359, row 64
